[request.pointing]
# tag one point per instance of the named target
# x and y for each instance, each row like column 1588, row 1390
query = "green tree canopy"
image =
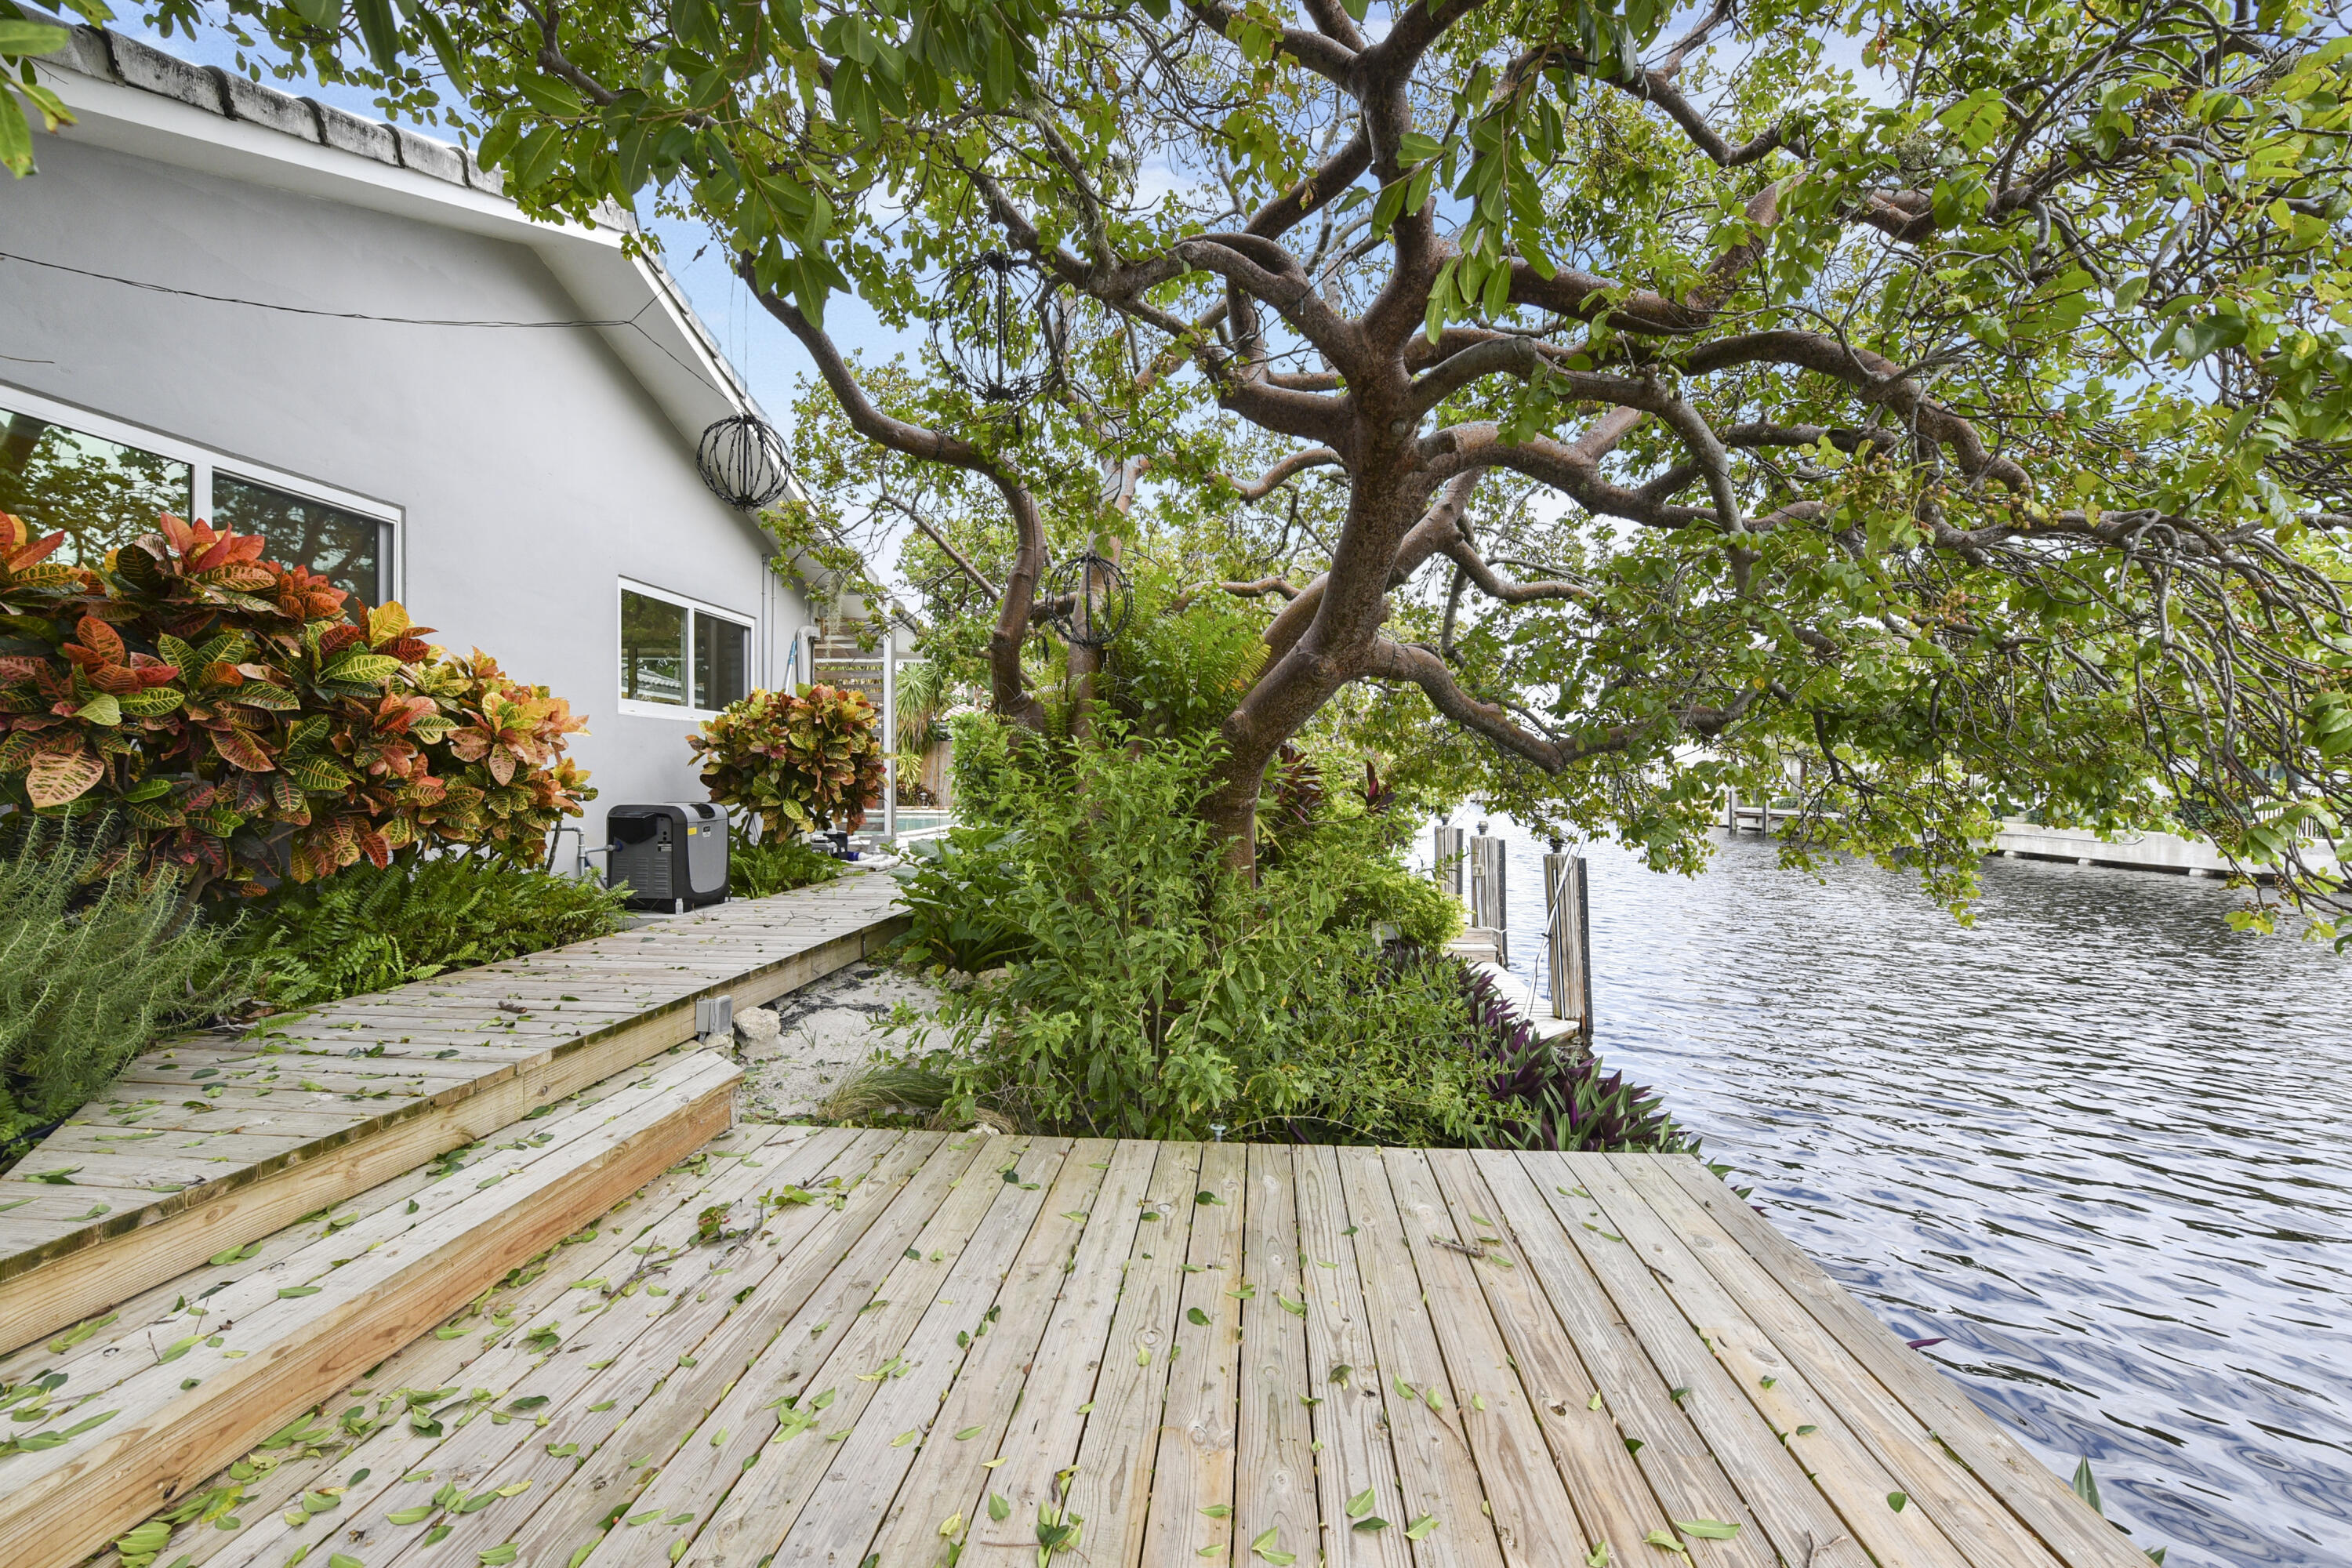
column 1948, row 396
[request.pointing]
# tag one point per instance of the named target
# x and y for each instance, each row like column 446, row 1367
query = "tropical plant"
column 98, row 961
column 370, row 928
column 950, row 886
column 243, row 729
column 1555, row 1096
column 1153, row 990
column 796, row 759
column 1947, row 394
column 758, row 868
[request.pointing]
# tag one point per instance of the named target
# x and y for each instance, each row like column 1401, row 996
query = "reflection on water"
column 2100, row 1143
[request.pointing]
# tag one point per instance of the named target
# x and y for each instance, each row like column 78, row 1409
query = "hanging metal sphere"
column 1091, row 600
column 1000, row 328
column 743, row 461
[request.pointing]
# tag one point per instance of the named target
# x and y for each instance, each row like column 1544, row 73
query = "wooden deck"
column 224, row 1139
column 868, row 1348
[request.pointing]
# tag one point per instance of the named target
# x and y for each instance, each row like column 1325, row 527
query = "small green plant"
column 796, row 760
column 96, row 962
column 368, row 929
column 949, row 886
column 775, row 865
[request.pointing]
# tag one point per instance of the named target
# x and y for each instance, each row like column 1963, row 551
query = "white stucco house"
column 222, row 301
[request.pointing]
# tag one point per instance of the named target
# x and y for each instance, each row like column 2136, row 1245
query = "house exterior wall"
column 532, row 471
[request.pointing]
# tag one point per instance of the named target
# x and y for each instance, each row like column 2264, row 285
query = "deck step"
column 145, row 1416
column 215, row 1142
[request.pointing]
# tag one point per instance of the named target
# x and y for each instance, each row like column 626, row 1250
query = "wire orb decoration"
column 1091, row 599
column 741, row 458
column 1000, row 328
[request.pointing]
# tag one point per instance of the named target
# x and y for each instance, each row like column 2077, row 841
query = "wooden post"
column 1568, row 929
column 1730, row 809
column 1486, row 911
column 1448, row 850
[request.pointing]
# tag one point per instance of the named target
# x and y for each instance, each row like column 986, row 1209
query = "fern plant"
column 368, row 930
column 775, row 863
column 96, row 962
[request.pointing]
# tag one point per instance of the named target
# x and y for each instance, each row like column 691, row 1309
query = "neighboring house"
column 225, row 302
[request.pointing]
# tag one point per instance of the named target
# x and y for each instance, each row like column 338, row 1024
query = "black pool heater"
column 673, row 857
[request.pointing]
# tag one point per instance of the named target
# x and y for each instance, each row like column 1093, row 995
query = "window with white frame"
column 680, row 657
column 103, row 483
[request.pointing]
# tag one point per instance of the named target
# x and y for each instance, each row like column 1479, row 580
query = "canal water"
column 2100, row 1144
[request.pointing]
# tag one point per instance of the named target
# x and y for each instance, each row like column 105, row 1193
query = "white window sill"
column 631, row 708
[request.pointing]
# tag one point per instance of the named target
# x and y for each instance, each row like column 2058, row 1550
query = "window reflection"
column 719, row 660
column 652, row 649
column 100, row 493
column 343, row 547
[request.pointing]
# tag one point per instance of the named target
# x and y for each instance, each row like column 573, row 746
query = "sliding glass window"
column 677, row 654
column 103, row 484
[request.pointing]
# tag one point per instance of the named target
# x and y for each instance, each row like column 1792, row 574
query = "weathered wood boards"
column 135, row 1430
column 216, row 1142
column 1012, row 1351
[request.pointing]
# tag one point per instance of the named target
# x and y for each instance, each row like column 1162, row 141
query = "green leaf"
column 1707, row 1529
column 1360, row 1504
column 416, row 1515
column 2086, row 1487
column 15, row 136
column 1421, row 1526
column 28, row 38
column 1195, row 1316
column 381, row 34
column 1000, row 1507
column 291, row 1293
column 1895, row 1500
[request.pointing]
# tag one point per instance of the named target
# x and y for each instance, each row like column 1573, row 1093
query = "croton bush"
column 246, row 728
column 796, row 759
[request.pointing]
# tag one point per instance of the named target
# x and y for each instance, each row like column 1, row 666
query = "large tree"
column 1947, row 395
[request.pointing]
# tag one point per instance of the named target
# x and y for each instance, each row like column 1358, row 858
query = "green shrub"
column 368, row 929
column 949, row 886
column 776, row 864
column 95, row 965
column 1154, row 993
column 797, row 760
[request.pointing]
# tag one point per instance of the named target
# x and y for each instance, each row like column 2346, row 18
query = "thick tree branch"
column 1266, row 484
column 1008, row 691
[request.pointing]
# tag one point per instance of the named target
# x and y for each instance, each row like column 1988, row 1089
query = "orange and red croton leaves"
column 243, row 726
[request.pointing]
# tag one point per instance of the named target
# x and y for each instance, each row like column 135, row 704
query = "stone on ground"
column 801, row 1048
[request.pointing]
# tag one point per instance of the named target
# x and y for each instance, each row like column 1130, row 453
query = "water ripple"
column 2100, row 1143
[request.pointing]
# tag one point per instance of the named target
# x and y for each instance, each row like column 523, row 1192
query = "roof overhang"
column 649, row 325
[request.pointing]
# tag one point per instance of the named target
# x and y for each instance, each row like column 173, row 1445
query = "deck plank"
column 1193, row 1472
column 1526, row 1496
column 2044, row 1503
column 1120, row 1426
column 948, row 1478
column 1351, row 1422
column 1535, row 1356
column 1273, row 1483
column 1044, row 1428
column 1835, row 1458
column 1424, row 1409
column 864, row 1476
column 1612, row 1500
column 1684, row 1475
column 1780, row 1495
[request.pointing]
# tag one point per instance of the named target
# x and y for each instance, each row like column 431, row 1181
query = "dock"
column 879, row 1348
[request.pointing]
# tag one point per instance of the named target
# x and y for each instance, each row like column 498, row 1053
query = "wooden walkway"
column 224, row 1139
column 868, row 1349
